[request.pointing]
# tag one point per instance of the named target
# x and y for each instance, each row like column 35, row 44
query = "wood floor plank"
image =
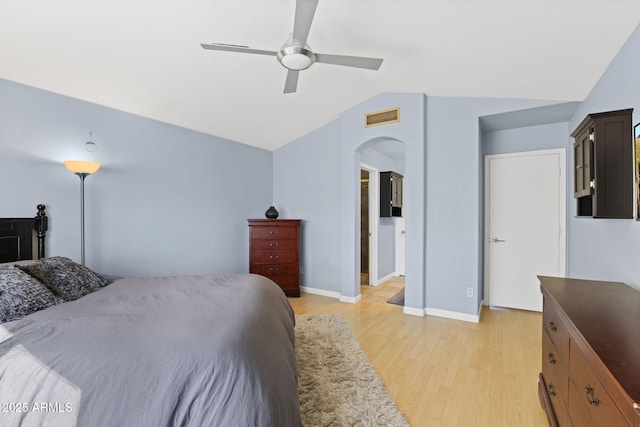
column 446, row 372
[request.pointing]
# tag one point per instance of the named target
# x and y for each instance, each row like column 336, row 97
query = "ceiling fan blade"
column 305, row 10
column 292, row 81
column 236, row 48
column 350, row 61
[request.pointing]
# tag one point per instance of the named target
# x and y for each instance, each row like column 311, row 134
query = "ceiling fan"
column 296, row 55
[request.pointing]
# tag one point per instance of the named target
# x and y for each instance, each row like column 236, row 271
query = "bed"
column 165, row 351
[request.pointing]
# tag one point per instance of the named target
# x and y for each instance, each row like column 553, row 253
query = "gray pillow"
column 13, row 263
column 21, row 294
column 63, row 277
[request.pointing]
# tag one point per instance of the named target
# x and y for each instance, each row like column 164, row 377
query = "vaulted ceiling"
column 144, row 56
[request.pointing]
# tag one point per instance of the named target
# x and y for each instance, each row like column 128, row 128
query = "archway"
column 411, row 132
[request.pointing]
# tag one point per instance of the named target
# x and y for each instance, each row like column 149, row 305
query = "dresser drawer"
column 286, row 282
column 274, row 269
column 274, row 245
column 591, row 394
column 578, row 412
column 273, row 233
column 555, row 371
column 284, row 257
column 556, row 330
column 559, row 407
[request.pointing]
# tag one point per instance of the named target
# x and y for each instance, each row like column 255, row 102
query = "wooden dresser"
column 590, row 353
column 274, row 252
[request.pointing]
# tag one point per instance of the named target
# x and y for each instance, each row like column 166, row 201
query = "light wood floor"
column 444, row 372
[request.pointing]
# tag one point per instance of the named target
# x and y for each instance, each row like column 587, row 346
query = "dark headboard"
column 23, row 238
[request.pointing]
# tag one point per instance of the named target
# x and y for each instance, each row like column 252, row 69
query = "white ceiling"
column 144, row 56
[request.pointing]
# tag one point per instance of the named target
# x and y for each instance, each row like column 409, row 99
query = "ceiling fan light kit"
column 296, row 58
column 296, row 55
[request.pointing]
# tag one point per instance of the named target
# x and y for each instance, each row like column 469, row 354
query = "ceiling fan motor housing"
column 296, row 58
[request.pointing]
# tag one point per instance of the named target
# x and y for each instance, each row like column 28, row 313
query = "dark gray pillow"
column 108, row 279
column 65, row 278
column 21, row 294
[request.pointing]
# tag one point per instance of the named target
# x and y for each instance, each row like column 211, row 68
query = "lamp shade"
column 80, row 166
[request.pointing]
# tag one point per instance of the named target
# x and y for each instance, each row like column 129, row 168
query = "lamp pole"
column 82, row 176
column 82, row 169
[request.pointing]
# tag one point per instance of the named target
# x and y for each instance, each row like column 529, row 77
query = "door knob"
column 496, row 240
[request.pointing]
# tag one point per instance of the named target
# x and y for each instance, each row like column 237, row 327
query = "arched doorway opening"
column 410, row 132
column 382, row 243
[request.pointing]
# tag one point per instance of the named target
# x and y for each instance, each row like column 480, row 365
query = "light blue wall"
column 317, row 177
column 607, row 249
column 382, row 161
column 530, row 138
column 354, row 139
column 454, row 215
column 386, row 247
column 307, row 186
column 166, row 200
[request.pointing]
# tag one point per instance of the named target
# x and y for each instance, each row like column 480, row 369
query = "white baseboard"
column 316, row 291
column 443, row 313
column 385, row 278
column 414, row 311
column 330, row 294
column 350, row 300
column 473, row 318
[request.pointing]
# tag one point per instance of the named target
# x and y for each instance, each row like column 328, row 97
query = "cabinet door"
column 396, row 192
column 386, row 192
column 390, row 194
column 613, row 151
column 583, row 154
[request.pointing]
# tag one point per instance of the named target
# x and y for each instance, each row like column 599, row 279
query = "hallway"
column 381, row 293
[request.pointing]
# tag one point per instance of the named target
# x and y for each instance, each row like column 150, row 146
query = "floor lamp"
column 82, row 169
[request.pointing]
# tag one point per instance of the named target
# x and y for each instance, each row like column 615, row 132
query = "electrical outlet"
column 470, row 292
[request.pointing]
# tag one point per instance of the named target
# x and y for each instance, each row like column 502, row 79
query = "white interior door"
column 524, row 225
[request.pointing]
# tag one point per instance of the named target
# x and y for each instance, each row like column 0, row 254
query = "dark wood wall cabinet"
column 390, row 194
column 590, row 353
column 603, row 165
column 274, row 252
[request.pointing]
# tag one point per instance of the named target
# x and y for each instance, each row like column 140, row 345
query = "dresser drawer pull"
column 552, row 359
column 273, row 244
column 552, row 392
column 273, row 256
column 273, row 269
column 553, row 326
column 273, row 232
column 593, row 400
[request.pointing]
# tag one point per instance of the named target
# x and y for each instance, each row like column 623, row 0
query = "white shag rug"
column 337, row 384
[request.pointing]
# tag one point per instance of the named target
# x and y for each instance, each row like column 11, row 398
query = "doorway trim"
column 374, row 219
column 561, row 152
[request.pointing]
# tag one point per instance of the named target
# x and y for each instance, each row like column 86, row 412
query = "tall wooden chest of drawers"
column 590, row 353
column 274, row 252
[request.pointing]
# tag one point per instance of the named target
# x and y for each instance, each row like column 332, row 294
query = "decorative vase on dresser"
column 274, row 252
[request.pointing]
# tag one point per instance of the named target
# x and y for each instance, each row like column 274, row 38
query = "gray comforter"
column 172, row 351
